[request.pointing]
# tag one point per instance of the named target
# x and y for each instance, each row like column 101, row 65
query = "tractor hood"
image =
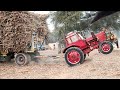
column 101, row 14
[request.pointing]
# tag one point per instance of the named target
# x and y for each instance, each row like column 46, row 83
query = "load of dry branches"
column 16, row 28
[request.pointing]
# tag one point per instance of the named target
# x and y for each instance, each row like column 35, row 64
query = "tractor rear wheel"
column 74, row 56
column 22, row 59
column 106, row 47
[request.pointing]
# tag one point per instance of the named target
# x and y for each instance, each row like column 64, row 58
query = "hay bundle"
column 16, row 28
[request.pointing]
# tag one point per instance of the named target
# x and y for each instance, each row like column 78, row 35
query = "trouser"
column 116, row 42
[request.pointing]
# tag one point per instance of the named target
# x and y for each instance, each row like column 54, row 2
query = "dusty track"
column 96, row 66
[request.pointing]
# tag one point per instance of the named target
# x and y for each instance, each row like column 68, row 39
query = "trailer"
column 23, row 57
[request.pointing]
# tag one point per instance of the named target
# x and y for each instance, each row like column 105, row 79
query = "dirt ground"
column 96, row 66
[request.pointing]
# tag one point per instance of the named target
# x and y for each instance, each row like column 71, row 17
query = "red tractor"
column 78, row 47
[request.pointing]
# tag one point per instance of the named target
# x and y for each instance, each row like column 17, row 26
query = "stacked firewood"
column 42, row 30
column 16, row 28
column 42, row 27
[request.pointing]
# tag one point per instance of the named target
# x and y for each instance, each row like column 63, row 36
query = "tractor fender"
column 69, row 47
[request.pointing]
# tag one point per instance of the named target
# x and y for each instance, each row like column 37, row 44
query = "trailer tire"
column 106, row 47
column 74, row 56
column 22, row 59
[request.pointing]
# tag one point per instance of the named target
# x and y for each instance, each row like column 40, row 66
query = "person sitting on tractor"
column 110, row 36
column 113, row 39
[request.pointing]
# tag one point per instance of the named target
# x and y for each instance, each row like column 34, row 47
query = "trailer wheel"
column 22, row 59
column 74, row 56
column 106, row 47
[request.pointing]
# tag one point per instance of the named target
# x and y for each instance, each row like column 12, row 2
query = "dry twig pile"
column 16, row 28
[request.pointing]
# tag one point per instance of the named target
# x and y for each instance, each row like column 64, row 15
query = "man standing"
column 53, row 46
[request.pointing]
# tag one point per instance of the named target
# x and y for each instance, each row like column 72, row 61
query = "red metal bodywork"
column 86, row 45
column 101, row 36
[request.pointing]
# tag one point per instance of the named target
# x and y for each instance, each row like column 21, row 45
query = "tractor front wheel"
column 74, row 56
column 106, row 47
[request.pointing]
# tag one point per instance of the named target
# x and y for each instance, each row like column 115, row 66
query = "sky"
column 50, row 25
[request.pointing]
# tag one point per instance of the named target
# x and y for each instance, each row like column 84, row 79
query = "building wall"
column 51, row 45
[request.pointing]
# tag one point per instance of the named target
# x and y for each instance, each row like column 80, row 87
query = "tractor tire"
column 22, row 59
column 106, row 47
column 74, row 56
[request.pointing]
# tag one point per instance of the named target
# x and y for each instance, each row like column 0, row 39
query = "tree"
column 66, row 21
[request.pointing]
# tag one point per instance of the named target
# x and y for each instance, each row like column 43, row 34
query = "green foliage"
column 109, row 21
column 66, row 21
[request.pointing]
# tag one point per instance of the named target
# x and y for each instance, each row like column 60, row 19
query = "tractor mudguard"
column 69, row 47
